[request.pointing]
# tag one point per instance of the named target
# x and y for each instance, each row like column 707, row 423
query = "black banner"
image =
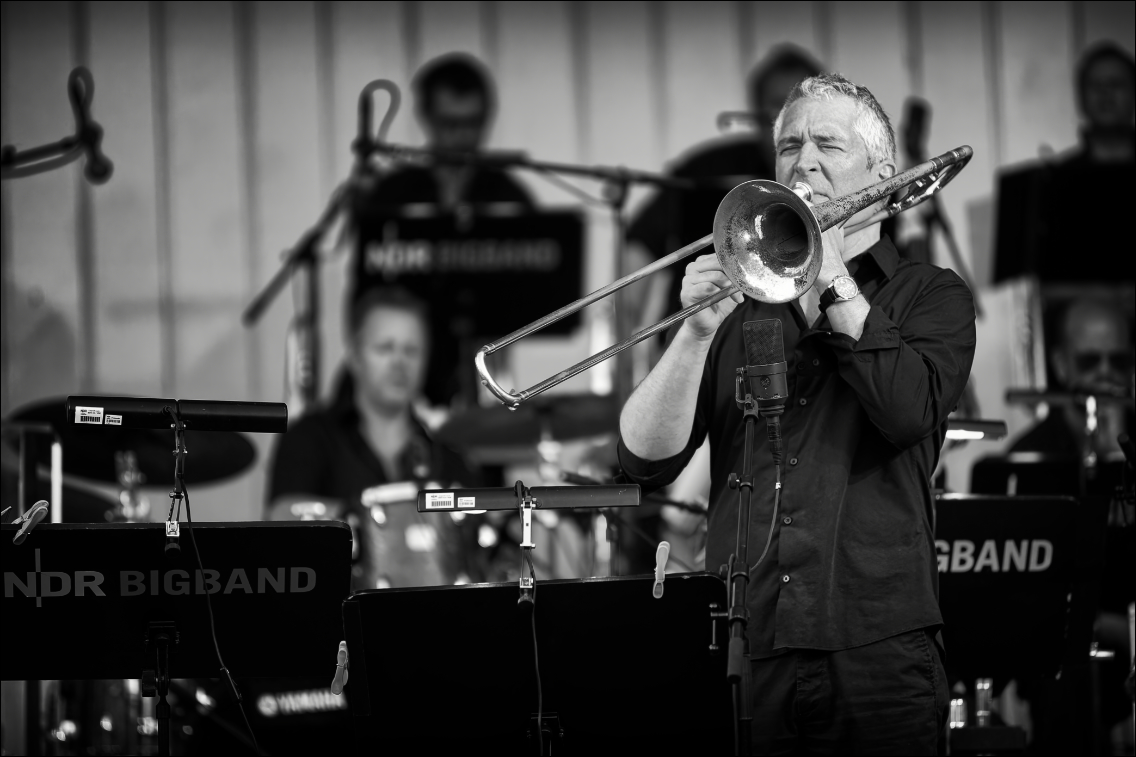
column 79, row 598
column 482, row 275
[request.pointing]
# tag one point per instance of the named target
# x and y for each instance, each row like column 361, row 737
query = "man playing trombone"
column 843, row 614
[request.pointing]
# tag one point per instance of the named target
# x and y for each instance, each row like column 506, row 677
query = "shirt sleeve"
column 653, row 475
column 298, row 463
column 910, row 376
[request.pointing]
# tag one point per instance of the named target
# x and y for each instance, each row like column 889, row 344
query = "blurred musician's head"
column 1094, row 349
column 1106, row 87
column 388, row 348
column 455, row 102
column 833, row 135
column 771, row 81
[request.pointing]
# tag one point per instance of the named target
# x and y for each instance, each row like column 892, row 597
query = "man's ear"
column 885, row 170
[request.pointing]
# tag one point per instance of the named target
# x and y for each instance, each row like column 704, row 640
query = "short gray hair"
column 872, row 123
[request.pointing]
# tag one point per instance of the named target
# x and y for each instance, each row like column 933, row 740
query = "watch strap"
column 829, row 296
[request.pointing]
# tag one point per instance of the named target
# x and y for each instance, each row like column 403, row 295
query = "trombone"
column 768, row 242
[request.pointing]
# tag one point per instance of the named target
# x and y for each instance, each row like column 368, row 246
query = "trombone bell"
column 768, row 241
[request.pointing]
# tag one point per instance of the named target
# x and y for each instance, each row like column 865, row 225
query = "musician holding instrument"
column 843, row 615
column 363, row 458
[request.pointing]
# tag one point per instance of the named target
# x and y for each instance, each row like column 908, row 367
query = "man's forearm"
column 656, row 421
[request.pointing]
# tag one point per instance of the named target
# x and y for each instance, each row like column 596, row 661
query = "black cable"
column 536, row 664
column 773, row 522
column 212, row 623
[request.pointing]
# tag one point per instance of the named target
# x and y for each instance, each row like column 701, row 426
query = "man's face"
column 455, row 120
column 1108, row 97
column 389, row 356
column 817, row 145
column 1097, row 353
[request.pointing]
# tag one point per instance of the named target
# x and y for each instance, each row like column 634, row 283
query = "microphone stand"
column 87, row 139
column 737, row 663
column 303, row 255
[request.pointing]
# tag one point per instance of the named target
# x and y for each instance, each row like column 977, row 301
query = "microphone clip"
column 30, row 519
column 525, row 503
column 763, row 386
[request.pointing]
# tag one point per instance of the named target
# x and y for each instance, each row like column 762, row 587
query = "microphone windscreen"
column 764, row 343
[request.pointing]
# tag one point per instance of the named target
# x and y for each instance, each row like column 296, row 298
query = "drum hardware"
column 768, row 241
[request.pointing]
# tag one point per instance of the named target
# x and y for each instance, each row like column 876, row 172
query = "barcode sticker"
column 439, row 500
column 467, row 501
column 89, row 415
column 113, row 420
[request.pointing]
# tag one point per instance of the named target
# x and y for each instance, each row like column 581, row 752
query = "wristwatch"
column 842, row 289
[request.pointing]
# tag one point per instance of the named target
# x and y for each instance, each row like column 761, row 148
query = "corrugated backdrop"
column 230, row 124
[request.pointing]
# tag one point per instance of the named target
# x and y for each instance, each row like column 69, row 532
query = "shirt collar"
column 882, row 254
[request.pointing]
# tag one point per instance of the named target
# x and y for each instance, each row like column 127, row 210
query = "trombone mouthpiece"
column 803, row 190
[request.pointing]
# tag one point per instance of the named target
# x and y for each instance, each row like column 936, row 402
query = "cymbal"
column 557, row 417
column 89, row 452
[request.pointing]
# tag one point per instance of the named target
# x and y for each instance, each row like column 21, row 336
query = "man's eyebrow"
column 789, row 141
column 820, row 137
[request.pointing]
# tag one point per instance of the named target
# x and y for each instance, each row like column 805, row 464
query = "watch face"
column 845, row 287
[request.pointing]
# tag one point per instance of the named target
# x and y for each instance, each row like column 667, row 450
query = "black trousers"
column 889, row 697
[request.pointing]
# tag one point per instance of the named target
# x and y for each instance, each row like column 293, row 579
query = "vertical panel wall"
column 230, row 124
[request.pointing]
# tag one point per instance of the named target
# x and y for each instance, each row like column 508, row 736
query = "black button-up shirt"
column 853, row 555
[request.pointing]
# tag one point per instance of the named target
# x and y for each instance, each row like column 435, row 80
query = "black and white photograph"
column 785, row 349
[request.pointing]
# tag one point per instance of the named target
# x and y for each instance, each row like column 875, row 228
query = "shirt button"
column 792, row 461
column 784, row 579
column 786, row 520
column 800, row 366
column 816, row 361
column 804, row 401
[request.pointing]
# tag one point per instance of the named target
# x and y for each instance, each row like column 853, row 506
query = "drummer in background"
column 455, row 102
column 363, row 458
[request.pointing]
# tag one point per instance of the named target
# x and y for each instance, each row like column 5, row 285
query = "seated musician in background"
column 363, row 458
column 1093, row 354
column 673, row 217
column 455, row 102
column 843, row 613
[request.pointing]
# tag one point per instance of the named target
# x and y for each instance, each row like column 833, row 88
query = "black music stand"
column 99, row 601
column 450, row 669
column 1034, row 613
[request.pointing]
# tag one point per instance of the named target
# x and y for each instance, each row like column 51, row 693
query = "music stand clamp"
column 525, row 504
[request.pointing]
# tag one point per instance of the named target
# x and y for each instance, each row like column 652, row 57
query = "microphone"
column 81, row 90
column 661, row 555
column 765, row 370
column 30, row 520
column 765, row 365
